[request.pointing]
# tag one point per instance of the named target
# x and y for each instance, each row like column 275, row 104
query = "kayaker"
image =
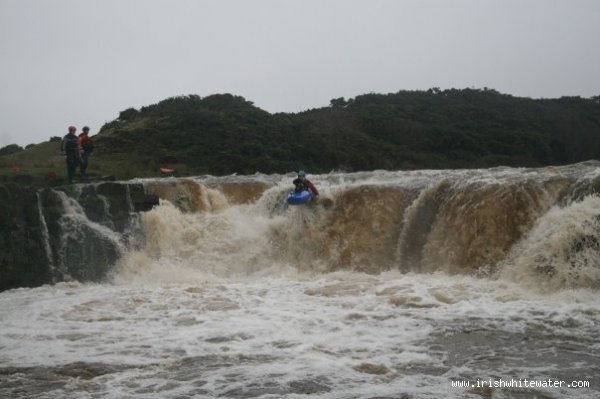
column 302, row 184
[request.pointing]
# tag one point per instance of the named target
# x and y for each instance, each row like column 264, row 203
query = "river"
column 394, row 285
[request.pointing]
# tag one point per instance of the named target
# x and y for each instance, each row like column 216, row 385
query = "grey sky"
column 80, row 62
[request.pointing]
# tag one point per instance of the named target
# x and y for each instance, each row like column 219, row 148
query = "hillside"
column 223, row 134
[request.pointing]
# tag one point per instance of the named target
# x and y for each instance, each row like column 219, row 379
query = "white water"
column 213, row 339
column 235, row 301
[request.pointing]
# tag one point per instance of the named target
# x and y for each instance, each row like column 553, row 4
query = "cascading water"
column 462, row 222
column 86, row 229
column 395, row 284
column 45, row 236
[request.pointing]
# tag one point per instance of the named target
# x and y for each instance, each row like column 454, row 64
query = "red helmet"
column 72, row 129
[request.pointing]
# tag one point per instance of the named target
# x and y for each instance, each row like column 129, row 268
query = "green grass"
column 37, row 161
column 44, row 159
column 124, row 151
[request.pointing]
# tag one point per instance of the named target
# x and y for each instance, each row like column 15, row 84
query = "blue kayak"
column 299, row 198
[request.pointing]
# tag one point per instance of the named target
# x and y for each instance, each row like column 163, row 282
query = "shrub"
column 10, row 149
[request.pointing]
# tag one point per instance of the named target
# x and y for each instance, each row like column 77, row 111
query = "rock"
column 23, row 261
column 22, row 179
column 87, row 227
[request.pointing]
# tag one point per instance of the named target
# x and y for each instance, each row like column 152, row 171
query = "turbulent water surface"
column 394, row 285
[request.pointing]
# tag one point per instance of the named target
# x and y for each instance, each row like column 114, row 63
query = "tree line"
column 454, row 128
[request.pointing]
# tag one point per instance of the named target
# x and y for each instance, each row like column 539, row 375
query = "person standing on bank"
column 86, row 147
column 69, row 148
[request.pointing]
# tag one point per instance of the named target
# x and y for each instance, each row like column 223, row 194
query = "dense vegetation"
column 223, row 134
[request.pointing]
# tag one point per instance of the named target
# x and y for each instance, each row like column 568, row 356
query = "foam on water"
column 341, row 334
column 561, row 250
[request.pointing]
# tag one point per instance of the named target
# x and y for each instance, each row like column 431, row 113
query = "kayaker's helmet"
column 72, row 129
column 302, row 173
column 86, row 129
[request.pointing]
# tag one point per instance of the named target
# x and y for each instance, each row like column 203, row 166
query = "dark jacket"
column 70, row 146
column 305, row 185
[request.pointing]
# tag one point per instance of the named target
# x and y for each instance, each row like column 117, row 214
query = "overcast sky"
column 81, row 62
